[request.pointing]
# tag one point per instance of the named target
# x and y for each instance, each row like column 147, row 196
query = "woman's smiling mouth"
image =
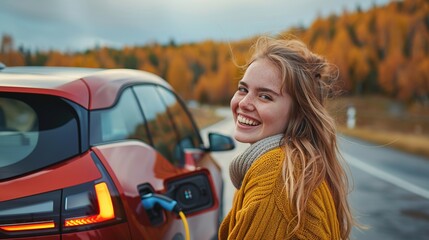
column 246, row 121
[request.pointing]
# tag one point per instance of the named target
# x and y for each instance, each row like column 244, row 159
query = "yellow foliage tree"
column 180, row 76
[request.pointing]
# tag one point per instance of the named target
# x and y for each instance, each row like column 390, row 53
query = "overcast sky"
column 71, row 25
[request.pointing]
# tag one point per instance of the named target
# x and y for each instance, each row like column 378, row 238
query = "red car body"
column 75, row 162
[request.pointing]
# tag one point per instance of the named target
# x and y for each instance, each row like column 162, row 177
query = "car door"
column 142, row 141
column 175, row 135
column 120, row 140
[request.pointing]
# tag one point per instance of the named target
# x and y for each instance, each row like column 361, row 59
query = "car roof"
column 92, row 88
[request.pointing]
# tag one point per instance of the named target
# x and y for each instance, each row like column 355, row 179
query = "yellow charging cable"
column 149, row 200
column 185, row 225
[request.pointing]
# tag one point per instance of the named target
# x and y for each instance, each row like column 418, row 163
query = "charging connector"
column 150, row 200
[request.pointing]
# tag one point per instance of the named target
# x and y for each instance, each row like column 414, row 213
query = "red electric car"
column 80, row 148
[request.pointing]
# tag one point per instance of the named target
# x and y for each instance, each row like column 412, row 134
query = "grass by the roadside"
column 385, row 122
column 411, row 143
column 205, row 115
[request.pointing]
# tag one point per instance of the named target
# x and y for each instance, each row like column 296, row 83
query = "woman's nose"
column 247, row 103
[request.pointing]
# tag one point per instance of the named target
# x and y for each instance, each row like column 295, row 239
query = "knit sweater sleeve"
column 253, row 214
column 261, row 209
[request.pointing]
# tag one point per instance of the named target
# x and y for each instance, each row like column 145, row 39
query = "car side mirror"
column 219, row 142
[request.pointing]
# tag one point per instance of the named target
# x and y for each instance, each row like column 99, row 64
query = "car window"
column 16, row 118
column 188, row 134
column 35, row 131
column 159, row 123
column 122, row 121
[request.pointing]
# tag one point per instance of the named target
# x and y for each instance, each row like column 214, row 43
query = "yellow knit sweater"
column 261, row 208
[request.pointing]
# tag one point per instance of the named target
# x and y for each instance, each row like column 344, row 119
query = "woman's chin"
column 244, row 138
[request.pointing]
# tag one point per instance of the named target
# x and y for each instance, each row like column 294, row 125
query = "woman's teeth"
column 247, row 121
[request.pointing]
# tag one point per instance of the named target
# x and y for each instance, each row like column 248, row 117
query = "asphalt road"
column 390, row 189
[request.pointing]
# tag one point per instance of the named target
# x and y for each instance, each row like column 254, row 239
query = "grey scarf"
column 241, row 163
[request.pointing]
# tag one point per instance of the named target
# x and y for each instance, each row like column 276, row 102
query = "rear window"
column 35, row 131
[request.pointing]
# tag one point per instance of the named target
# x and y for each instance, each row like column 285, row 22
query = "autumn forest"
column 384, row 50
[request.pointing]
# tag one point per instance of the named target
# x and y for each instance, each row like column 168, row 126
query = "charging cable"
column 151, row 199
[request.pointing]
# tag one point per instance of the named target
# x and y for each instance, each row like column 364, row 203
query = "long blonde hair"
column 311, row 147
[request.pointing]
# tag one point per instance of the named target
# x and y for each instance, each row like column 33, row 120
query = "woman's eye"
column 242, row 89
column 266, row 97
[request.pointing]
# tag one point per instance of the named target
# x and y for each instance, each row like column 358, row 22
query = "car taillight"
column 96, row 210
column 28, row 226
column 82, row 207
column 39, row 213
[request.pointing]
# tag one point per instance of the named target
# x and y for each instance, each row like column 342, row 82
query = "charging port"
column 192, row 193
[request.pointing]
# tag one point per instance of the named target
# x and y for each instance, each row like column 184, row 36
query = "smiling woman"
column 259, row 102
column 290, row 175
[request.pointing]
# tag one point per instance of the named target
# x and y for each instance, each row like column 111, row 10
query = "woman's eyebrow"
column 260, row 89
column 242, row 83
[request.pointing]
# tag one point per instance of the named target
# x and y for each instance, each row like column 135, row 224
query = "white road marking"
column 385, row 176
